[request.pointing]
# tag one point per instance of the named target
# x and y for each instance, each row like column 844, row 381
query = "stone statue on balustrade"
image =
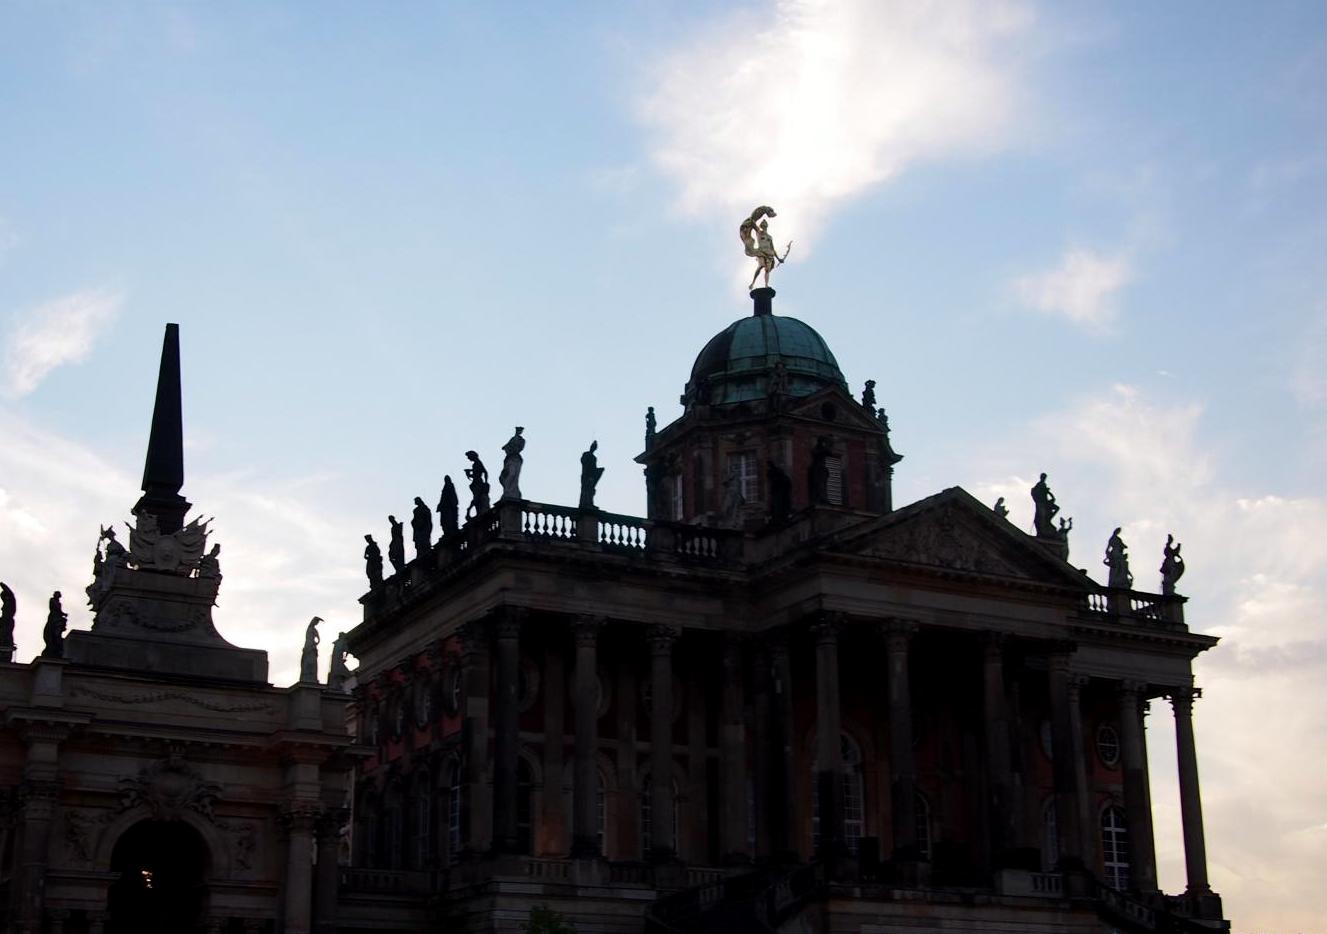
column 477, row 474
column 1172, row 566
column 590, row 474
column 780, row 487
column 308, row 659
column 54, row 633
column 1045, row 508
column 396, row 545
column 8, row 610
column 509, row 478
column 1001, row 509
column 1066, row 526
column 818, row 473
column 373, row 562
column 650, row 425
column 421, row 527
column 759, row 245
column 1117, row 559
column 733, row 500
column 868, row 397
column 337, row 672
column 448, row 508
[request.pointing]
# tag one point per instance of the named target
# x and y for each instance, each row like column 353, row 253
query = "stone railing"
column 1149, row 609
column 1116, row 906
column 539, row 520
column 384, row 881
column 622, row 533
column 551, row 870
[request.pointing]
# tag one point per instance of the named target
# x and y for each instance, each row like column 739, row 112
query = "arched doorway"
column 161, row 870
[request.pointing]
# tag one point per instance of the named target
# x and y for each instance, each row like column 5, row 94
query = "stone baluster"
column 732, row 756
column 584, row 812
column 1191, row 803
column 477, row 818
column 903, row 770
column 507, row 630
column 663, row 846
column 1137, row 799
column 829, row 737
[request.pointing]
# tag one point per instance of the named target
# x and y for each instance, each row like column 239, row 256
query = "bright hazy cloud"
column 816, row 102
column 1083, row 287
column 55, row 333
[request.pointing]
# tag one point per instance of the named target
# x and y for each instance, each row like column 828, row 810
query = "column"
column 1087, row 818
column 39, row 800
column 584, row 811
column 507, row 630
column 327, row 831
column 627, row 811
column 299, row 821
column 902, row 769
column 733, row 844
column 1191, row 804
column 694, row 821
column 782, row 780
column 477, row 817
column 1005, row 809
column 662, row 845
column 829, row 741
column 763, row 752
column 1137, row 801
column 1068, row 813
column 553, row 833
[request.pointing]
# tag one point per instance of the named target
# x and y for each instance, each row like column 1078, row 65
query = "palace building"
column 776, row 702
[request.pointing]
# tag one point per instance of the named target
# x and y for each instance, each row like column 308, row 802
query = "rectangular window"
column 834, row 487
column 743, row 464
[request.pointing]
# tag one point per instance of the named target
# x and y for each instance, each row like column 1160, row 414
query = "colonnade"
column 769, row 767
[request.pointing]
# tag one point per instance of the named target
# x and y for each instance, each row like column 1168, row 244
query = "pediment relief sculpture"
column 169, row 788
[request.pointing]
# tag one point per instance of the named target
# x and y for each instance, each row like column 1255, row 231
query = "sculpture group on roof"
column 754, row 232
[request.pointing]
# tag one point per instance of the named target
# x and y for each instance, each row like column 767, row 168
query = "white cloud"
column 58, row 332
column 1082, row 287
column 1257, row 577
column 818, row 101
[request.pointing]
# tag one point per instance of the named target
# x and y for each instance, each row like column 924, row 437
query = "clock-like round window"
column 1108, row 745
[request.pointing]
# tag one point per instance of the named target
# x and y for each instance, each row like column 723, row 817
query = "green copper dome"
column 738, row 362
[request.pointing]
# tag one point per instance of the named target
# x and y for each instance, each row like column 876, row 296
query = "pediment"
column 954, row 532
column 846, row 411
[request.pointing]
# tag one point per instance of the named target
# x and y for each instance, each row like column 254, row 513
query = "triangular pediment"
column 845, row 411
column 954, row 532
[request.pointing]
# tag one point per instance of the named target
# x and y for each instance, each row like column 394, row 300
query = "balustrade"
column 548, row 522
column 624, row 533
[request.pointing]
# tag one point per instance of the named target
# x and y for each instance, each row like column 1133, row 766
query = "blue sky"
column 1081, row 238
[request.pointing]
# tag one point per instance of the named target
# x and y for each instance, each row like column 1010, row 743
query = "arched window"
column 1050, row 838
column 418, row 851
column 455, row 803
column 1115, row 848
column 647, row 816
column 854, row 804
column 524, row 807
column 923, row 809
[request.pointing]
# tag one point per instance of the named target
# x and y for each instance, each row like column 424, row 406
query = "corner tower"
column 768, row 428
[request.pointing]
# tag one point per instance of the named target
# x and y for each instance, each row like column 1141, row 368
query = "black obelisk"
column 163, row 472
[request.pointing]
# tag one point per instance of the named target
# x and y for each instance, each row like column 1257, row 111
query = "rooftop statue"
column 308, row 659
column 178, row 552
column 477, row 474
column 1066, row 526
column 1172, row 566
column 650, row 425
column 210, row 564
column 8, row 609
column 1117, row 559
column 868, row 396
column 448, row 508
column 1001, row 509
column 754, row 232
column 53, row 634
column 373, row 562
column 396, row 545
column 337, row 672
column 421, row 527
column 590, row 474
column 510, row 475
column 103, row 569
column 1043, row 501
column 733, row 500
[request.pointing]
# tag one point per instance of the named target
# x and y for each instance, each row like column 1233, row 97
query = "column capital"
column 661, row 639
column 898, row 632
column 1182, row 698
column 473, row 638
column 825, row 627
column 299, row 817
column 328, row 824
column 507, row 623
column 585, row 630
column 1077, row 681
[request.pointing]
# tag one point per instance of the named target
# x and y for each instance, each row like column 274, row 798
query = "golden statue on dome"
column 754, row 232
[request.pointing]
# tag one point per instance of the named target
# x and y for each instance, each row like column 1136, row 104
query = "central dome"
column 736, row 364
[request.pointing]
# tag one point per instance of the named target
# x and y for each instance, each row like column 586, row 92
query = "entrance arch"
column 161, row 872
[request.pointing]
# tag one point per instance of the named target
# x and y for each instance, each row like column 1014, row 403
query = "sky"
column 1086, row 239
